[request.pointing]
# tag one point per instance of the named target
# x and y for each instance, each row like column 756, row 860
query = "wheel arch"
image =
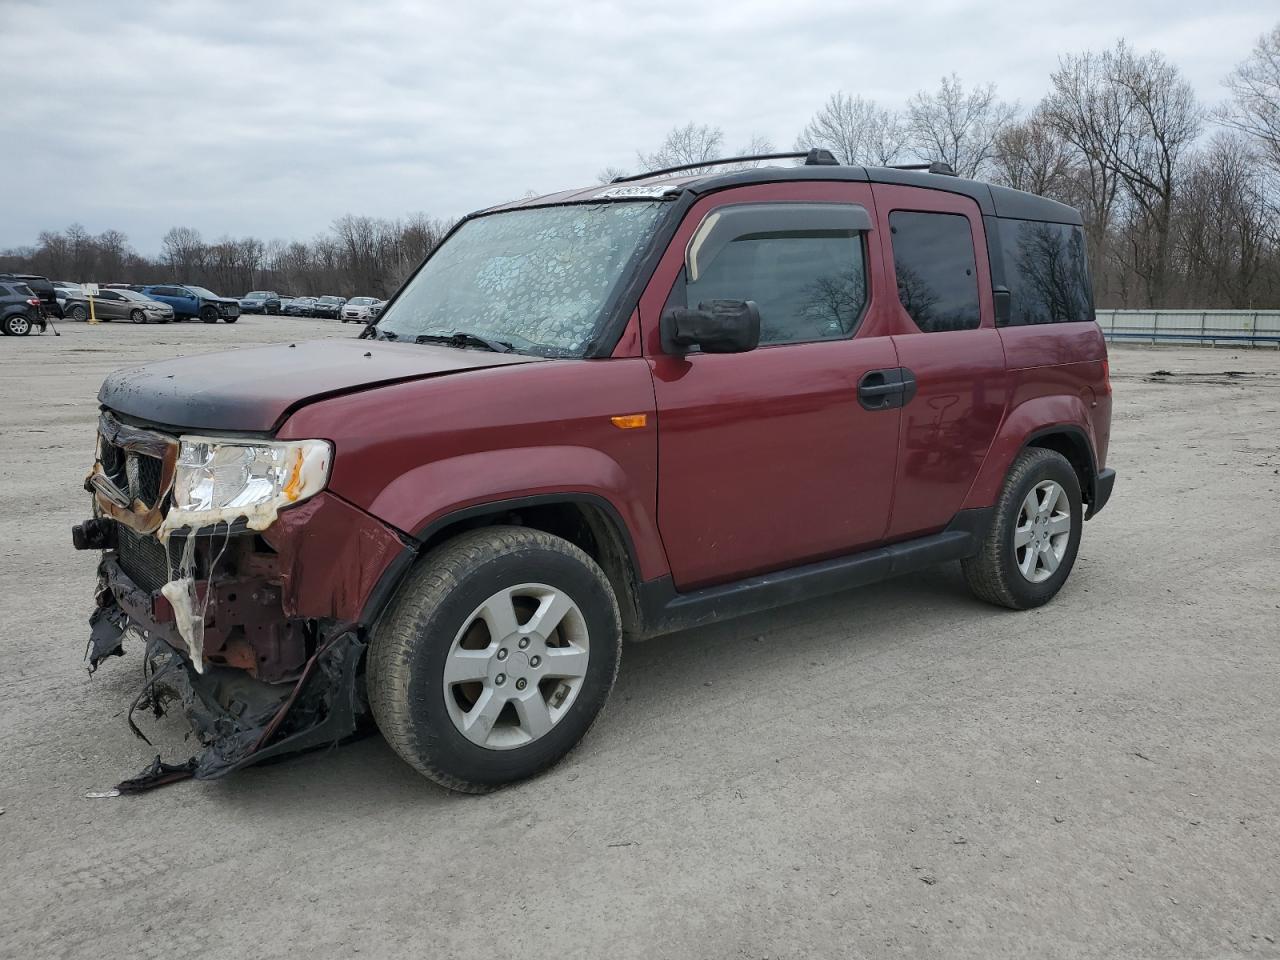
column 1072, row 443
column 589, row 521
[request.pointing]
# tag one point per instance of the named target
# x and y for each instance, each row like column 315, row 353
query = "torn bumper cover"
column 241, row 721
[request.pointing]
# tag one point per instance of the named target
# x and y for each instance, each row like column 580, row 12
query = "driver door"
column 773, row 458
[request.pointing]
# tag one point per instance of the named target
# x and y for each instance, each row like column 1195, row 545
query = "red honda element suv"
column 606, row 413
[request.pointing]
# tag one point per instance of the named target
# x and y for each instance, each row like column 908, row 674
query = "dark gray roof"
column 992, row 200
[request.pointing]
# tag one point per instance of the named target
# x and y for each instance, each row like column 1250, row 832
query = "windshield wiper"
column 461, row 338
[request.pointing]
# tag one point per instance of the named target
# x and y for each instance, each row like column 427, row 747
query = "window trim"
column 854, row 213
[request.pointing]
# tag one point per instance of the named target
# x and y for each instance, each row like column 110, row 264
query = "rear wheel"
column 78, row 312
column 1031, row 546
column 16, row 325
column 495, row 658
column 137, row 316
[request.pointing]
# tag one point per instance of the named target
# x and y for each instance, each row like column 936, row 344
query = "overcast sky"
column 271, row 118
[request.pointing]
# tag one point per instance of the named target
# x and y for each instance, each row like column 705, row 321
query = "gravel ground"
column 897, row 771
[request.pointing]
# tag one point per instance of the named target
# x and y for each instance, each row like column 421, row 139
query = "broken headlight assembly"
column 221, row 480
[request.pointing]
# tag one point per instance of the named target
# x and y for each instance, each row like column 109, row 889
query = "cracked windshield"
column 534, row 280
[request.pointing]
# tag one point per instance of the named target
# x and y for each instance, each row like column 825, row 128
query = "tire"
column 230, row 319
column 16, row 325
column 998, row 573
column 436, row 620
column 137, row 316
column 79, row 312
column 209, row 314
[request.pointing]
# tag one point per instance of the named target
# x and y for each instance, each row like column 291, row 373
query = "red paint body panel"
column 330, row 557
column 961, row 385
column 412, row 453
column 766, row 458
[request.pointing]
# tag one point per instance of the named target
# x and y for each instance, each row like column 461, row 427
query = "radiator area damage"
column 251, row 617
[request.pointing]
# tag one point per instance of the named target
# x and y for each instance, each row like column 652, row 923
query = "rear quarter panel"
column 1056, row 378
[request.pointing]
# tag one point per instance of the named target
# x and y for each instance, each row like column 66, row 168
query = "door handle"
column 886, row 389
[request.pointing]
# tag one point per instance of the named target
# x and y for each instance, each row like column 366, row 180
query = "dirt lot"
column 893, row 772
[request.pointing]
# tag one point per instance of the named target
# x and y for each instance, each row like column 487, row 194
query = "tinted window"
column 109, row 295
column 1046, row 272
column 937, row 270
column 808, row 285
column 5, row 291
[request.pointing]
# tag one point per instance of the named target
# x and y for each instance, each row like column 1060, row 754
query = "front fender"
column 1036, row 416
column 418, row 498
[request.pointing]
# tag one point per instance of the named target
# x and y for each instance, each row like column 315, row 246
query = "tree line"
column 1181, row 200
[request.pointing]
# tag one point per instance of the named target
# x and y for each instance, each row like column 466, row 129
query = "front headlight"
column 219, row 480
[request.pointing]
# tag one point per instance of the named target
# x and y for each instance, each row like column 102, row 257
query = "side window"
column 109, row 295
column 5, row 291
column 937, row 270
column 1046, row 271
column 810, row 282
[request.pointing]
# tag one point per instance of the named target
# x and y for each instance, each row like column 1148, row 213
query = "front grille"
column 136, row 474
column 142, row 558
column 230, row 311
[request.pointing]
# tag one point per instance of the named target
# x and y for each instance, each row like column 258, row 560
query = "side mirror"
column 1003, row 301
column 717, row 326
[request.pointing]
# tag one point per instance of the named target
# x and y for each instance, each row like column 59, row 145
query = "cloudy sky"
column 271, row 118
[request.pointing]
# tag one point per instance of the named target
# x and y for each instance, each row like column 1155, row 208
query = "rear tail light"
column 1106, row 377
column 34, row 301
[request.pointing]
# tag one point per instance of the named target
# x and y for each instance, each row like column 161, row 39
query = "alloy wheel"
column 1043, row 531
column 516, row 666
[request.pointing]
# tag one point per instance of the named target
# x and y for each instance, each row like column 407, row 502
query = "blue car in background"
column 194, row 303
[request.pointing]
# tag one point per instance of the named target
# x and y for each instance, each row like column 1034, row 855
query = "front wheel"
column 209, row 314
column 1031, row 546
column 495, row 658
column 137, row 316
column 230, row 319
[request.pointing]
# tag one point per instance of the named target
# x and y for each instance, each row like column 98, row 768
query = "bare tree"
column 958, row 126
column 692, row 143
column 856, row 131
column 1163, row 121
column 610, row 174
column 1031, row 155
column 183, row 250
column 1255, row 92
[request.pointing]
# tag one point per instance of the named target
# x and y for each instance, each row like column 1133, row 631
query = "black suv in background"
column 19, row 308
column 330, row 307
column 44, row 289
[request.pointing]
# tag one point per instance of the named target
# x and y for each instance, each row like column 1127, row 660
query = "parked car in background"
column 118, row 305
column 43, row 288
column 19, row 308
column 358, row 309
column 191, row 303
column 300, row 307
column 328, row 307
column 260, row 301
column 375, row 311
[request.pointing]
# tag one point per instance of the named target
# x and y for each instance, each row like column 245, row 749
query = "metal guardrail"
column 1238, row 328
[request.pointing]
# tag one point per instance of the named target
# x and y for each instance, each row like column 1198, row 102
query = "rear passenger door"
column 945, row 336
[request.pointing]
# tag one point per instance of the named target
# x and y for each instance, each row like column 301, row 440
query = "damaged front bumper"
column 281, row 611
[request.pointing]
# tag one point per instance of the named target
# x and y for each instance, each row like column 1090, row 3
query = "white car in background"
column 359, row 309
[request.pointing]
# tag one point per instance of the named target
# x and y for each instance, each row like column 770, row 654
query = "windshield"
column 536, row 278
column 202, row 292
column 256, row 295
column 328, row 299
column 361, row 301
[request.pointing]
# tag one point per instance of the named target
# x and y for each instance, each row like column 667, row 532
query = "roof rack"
column 937, row 166
column 812, row 158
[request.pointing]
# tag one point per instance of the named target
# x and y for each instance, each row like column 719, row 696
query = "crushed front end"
column 251, row 607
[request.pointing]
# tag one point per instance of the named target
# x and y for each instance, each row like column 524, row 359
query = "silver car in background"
column 117, row 304
column 359, row 309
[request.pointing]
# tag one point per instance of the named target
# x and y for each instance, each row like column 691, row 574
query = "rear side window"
column 1046, row 272
column 5, row 291
column 937, row 270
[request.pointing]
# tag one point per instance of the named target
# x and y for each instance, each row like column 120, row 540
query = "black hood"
column 255, row 389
